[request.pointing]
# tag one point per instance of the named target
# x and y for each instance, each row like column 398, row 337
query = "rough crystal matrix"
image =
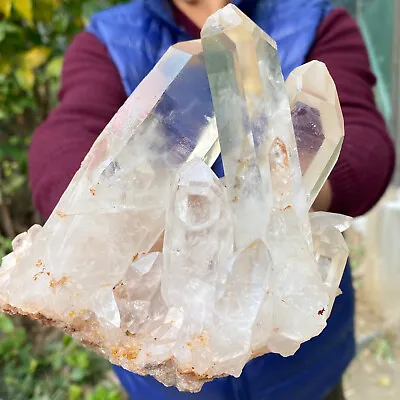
column 153, row 261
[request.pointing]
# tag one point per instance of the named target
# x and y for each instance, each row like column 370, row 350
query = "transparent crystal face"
column 247, row 88
column 162, row 267
column 317, row 121
column 198, row 210
column 309, row 133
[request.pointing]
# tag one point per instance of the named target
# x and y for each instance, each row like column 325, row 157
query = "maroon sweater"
column 91, row 93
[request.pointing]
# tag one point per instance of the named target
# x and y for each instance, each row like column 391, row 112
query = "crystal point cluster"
column 162, row 267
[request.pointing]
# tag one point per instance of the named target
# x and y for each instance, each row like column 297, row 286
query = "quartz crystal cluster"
column 167, row 270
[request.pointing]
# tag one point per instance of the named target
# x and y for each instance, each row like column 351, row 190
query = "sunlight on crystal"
column 163, row 268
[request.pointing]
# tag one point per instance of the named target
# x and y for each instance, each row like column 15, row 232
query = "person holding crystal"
column 103, row 66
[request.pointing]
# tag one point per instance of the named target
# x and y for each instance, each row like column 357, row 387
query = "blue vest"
column 136, row 35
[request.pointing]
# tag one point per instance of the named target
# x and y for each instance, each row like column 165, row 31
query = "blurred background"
column 40, row 363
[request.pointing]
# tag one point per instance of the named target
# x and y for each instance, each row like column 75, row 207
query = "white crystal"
column 160, row 266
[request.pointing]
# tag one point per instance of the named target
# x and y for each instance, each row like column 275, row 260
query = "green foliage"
column 5, row 246
column 37, row 363
column 49, row 369
column 33, row 38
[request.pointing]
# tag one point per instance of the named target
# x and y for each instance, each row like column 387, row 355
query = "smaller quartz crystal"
column 317, row 121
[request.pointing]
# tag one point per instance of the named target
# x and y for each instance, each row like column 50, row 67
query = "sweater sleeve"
column 366, row 162
column 91, row 93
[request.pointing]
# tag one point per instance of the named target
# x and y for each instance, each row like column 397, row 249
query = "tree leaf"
column 43, row 11
column 36, row 57
column 5, row 8
column 75, row 392
column 53, row 68
column 33, row 364
column 7, row 27
column 5, row 67
column 89, row 7
column 25, row 78
column 24, row 8
column 6, row 324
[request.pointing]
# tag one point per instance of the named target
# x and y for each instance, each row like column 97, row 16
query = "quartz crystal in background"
column 317, row 121
column 163, row 268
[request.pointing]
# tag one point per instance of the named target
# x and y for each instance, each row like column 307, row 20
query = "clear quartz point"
column 330, row 249
column 165, row 269
column 318, row 123
column 254, row 121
